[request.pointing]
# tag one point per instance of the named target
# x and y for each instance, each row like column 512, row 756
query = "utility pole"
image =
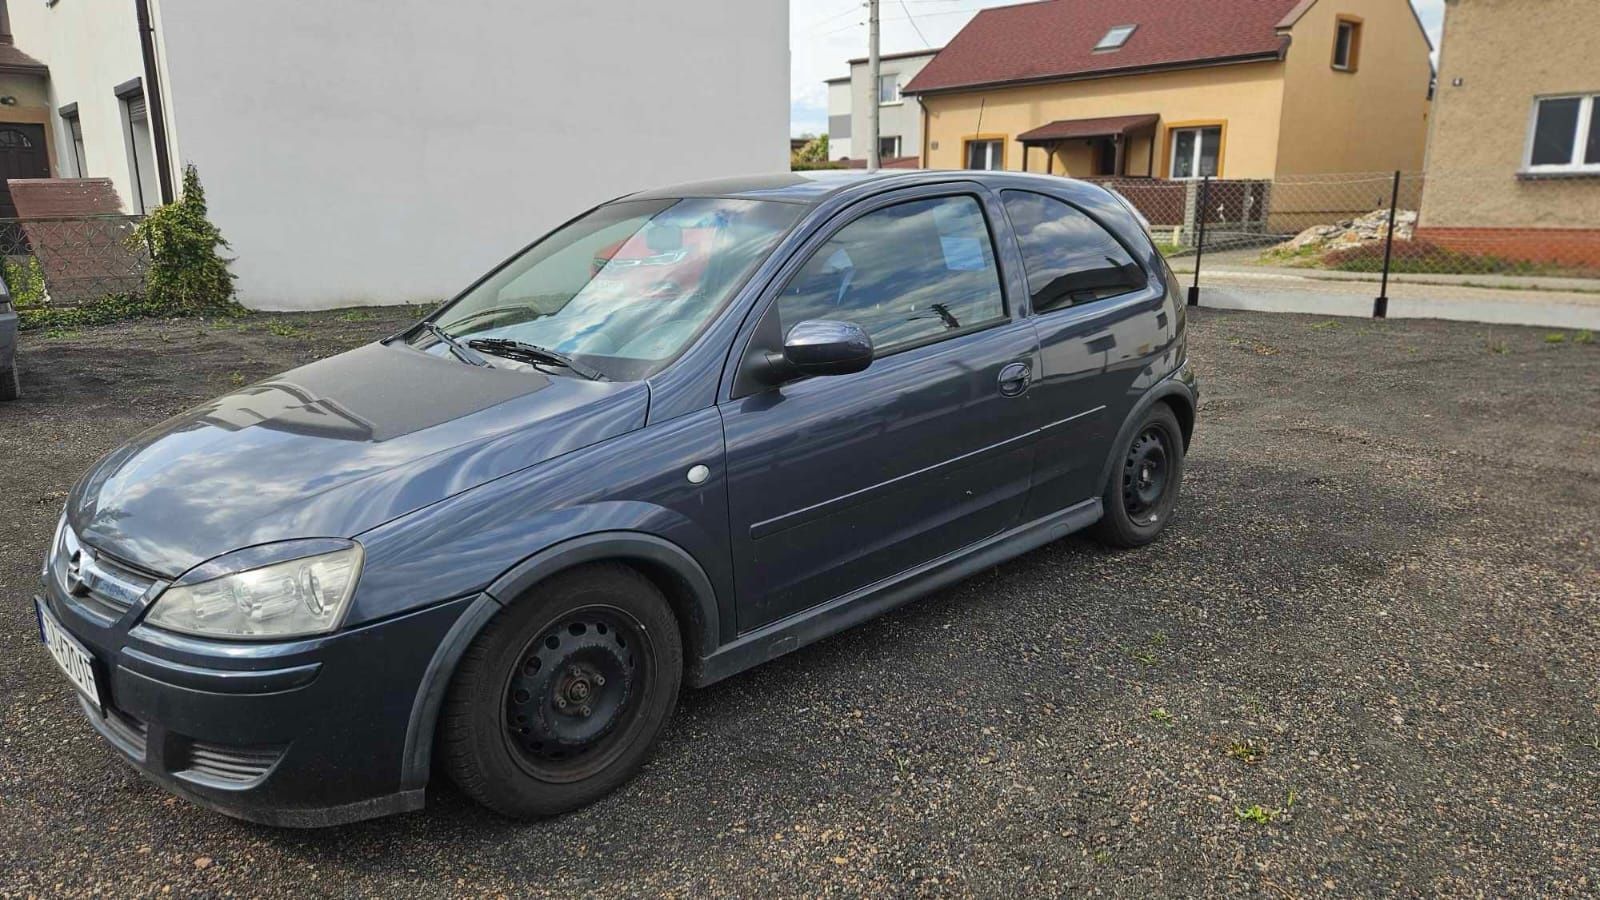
column 873, row 161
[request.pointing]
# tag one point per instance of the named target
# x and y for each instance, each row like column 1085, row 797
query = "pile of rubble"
column 1374, row 226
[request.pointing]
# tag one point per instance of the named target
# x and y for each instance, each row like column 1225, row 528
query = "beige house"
column 1238, row 89
column 1514, row 155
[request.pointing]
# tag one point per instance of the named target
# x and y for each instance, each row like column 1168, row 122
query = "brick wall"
column 1572, row 247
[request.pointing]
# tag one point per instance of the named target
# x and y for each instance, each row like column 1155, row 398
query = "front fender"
column 694, row 603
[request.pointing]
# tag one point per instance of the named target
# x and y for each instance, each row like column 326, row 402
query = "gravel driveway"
column 1362, row 660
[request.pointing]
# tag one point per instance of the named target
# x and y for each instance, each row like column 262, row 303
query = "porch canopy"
column 1114, row 127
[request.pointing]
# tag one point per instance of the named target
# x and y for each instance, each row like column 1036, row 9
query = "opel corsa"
column 687, row 432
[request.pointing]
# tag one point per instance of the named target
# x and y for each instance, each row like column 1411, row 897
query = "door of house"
column 22, row 155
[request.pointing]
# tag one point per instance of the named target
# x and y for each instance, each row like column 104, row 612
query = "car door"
column 839, row 482
column 1102, row 317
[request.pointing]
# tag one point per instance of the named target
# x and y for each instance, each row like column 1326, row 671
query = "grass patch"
column 1264, row 815
column 285, row 328
column 1247, row 751
column 1325, row 326
column 1162, row 717
column 1583, row 337
column 357, row 315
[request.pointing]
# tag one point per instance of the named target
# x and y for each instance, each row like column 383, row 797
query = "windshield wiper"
column 534, row 353
column 461, row 351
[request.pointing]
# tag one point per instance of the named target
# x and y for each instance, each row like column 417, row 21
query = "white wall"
column 386, row 151
column 902, row 119
column 90, row 47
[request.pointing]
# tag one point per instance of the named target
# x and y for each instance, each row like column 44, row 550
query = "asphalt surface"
column 1362, row 660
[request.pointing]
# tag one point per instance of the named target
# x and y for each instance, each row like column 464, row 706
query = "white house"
column 385, row 151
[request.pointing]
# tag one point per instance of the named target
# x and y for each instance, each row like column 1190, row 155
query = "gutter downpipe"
column 153, row 99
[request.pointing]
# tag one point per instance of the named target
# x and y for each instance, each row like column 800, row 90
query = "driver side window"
column 907, row 274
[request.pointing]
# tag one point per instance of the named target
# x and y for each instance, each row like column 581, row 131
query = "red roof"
column 1055, row 39
column 1066, row 129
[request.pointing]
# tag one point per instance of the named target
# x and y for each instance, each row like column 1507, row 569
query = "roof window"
column 1115, row 38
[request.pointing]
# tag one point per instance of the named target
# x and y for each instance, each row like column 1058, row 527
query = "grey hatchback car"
column 684, row 433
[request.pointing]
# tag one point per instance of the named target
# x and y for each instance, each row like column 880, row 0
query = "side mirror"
column 820, row 347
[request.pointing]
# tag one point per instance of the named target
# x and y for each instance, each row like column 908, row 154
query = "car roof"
column 814, row 187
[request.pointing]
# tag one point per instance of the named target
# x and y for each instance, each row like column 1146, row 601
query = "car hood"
column 333, row 449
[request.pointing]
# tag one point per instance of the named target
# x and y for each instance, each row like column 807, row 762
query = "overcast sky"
column 823, row 34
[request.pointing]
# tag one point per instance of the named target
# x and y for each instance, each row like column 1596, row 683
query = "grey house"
column 899, row 118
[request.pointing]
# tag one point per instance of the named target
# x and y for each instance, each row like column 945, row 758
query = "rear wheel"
column 562, row 696
column 1142, row 490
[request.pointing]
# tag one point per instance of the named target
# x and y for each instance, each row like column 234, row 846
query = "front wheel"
column 1143, row 488
column 562, row 696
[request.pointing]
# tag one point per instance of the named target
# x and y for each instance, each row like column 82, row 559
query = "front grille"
column 232, row 765
column 104, row 585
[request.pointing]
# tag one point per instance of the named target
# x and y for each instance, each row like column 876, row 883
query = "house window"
column 140, row 145
column 69, row 117
column 1347, row 44
column 985, row 154
column 888, row 89
column 1115, row 38
column 889, row 147
column 1565, row 135
column 1196, row 152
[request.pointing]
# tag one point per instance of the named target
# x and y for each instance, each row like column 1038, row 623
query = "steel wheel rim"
column 1147, row 474
column 573, row 700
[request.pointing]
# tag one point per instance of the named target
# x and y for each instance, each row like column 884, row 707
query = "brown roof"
column 15, row 61
column 1055, row 40
column 1065, row 129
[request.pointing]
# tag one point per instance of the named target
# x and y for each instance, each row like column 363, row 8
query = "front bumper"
column 297, row 733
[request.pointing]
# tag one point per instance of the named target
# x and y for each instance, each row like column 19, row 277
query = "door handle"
column 1015, row 378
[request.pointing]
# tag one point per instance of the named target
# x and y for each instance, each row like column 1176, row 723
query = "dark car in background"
column 689, row 431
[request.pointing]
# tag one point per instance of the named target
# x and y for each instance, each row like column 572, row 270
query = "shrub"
column 187, row 274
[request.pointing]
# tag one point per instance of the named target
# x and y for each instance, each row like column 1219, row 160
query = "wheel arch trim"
column 633, row 547
column 1175, row 385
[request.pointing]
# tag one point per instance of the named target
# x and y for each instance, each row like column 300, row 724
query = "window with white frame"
column 1564, row 135
column 1196, row 152
column 985, row 154
column 1347, row 45
column 889, row 147
column 888, row 89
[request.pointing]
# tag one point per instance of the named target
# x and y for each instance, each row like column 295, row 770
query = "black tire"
column 10, row 385
column 1142, row 490
column 503, row 738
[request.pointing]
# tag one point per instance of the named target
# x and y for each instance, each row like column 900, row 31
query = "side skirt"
column 774, row 640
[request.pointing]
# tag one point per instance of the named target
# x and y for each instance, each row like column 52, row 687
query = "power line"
column 920, row 36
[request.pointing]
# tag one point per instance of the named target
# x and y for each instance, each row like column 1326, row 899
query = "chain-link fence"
column 1445, row 229
column 1342, row 223
column 69, row 262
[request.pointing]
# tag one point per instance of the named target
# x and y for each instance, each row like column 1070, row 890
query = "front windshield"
column 622, row 290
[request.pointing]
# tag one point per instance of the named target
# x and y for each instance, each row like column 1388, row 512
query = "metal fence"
column 67, row 262
column 1348, row 226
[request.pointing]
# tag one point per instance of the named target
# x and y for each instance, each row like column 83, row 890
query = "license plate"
column 74, row 659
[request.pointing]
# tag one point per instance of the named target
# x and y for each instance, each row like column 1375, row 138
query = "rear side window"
column 907, row 274
column 1069, row 258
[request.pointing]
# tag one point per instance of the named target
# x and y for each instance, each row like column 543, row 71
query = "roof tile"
column 1056, row 39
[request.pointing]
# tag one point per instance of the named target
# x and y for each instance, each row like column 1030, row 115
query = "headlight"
column 288, row 599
